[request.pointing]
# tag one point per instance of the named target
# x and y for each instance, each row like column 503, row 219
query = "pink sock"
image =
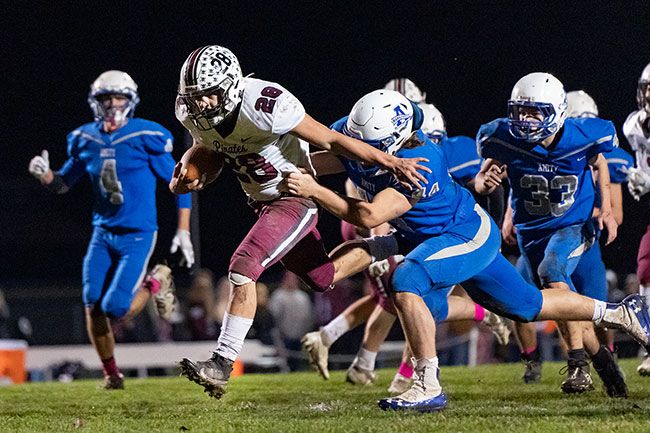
column 151, row 284
column 406, row 369
column 110, row 367
column 479, row 313
column 529, row 350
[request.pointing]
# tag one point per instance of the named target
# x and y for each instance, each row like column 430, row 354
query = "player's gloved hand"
column 183, row 241
column 39, row 166
column 638, row 182
column 379, row 268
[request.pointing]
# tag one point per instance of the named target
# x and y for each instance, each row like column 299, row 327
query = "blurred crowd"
column 286, row 310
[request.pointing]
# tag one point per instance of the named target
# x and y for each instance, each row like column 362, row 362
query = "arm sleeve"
column 74, row 168
column 159, row 148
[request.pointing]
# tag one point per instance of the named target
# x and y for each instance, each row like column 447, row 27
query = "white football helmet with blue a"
column 433, row 124
column 113, row 83
column 580, row 104
column 537, row 107
column 642, row 100
column 210, row 70
column 407, row 88
column 383, row 119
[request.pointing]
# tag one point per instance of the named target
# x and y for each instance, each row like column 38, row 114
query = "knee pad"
column 552, row 270
column 411, row 277
column 238, row 279
column 115, row 311
column 381, row 247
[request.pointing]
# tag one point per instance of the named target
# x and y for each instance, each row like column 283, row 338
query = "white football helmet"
column 113, row 83
column 433, row 124
column 210, row 70
column 544, row 94
column 644, row 80
column 580, row 104
column 407, row 88
column 383, row 119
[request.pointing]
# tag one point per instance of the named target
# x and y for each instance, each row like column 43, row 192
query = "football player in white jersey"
column 637, row 131
column 264, row 133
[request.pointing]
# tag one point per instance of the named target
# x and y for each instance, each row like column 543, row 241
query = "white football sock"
column 333, row 330
column 645, row 292
column 233, row 333
column 599, row 311
column 366, row 359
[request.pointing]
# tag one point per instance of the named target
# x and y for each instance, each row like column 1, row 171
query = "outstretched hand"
column 406, row 171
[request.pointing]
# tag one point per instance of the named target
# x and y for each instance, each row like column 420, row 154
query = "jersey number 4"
column 110, row 183
column 540, row 192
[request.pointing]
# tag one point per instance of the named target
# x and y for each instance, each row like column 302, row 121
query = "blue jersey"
column 462, row 158
column 552, row 187
column 122, row 167
column 436, row 209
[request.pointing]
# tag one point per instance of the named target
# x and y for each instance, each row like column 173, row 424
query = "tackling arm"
column 386, row 205
column 319, row 135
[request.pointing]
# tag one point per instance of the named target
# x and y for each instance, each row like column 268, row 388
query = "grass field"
column 484, row 399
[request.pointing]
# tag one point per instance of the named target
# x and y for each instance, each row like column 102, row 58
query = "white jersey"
column 639, row 138
column 259, row 149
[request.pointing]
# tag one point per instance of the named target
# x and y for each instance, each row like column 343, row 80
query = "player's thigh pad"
column 281, row 224
column 410, row 276
column 309, row 260
column 97, row 267
column 643, row 259
column 500, row 288
column 134, row 251
column 589, row 276
column 453, row 257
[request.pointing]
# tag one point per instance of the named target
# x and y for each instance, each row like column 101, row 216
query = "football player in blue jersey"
column 123, row 156
column 589, row 275
column 446, row 239
column 548, row 160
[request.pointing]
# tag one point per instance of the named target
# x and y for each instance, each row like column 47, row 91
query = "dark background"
column 465, row 55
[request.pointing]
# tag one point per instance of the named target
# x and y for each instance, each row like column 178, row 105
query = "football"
column 199, row 160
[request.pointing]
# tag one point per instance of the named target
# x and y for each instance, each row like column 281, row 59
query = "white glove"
column 379, row 268
column 184, row 241
column 39, row 166
column 638, row 182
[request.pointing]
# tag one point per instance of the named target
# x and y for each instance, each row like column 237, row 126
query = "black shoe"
column 578, row 377
column 212, row 374
column 609, row 372
column 533, row 367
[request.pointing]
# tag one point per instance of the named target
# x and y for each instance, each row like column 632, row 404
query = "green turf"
column 484, row 399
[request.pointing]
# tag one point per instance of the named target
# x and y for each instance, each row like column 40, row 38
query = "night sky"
column 465, row 55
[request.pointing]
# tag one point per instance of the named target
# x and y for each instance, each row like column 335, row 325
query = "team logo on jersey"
column 233, row 148
column 400, row 119
column 546, row 168
column 107, row 153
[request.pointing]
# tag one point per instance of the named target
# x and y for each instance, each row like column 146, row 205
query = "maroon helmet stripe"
column 190, row 71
